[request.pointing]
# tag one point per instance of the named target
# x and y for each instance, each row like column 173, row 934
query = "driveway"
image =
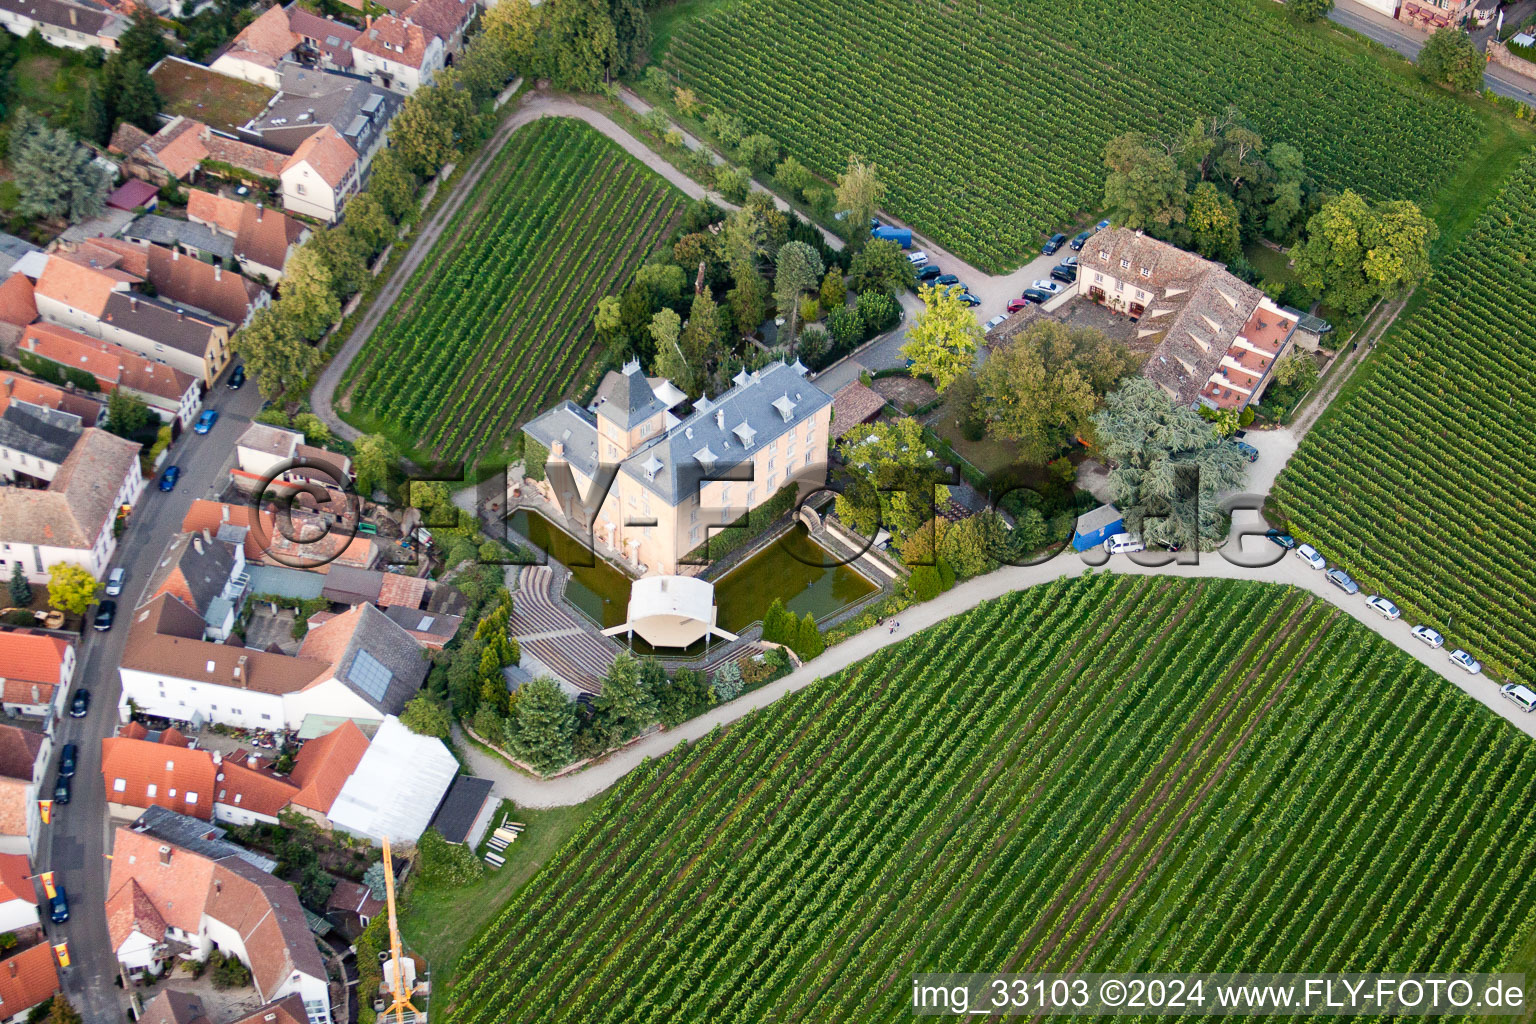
column 76, row 842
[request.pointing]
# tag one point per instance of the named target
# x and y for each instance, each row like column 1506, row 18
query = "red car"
column 1014, row 305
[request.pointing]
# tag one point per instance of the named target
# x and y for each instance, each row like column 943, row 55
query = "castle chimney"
column 239, row 674
column 73, row 17
column 260, row 209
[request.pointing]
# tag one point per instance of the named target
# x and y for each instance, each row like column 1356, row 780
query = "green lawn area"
column 439, row 923
column 988, row 455
column 216, row 100
column 1271, row 265
column 45, row 84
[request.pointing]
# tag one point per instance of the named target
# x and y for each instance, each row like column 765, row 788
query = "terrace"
column 1239, row 378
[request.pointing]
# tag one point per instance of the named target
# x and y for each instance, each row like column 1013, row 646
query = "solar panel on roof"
column 369, row 675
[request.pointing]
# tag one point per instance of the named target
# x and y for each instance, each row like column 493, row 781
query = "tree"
column 20, row 587
column 1170, row 465
column 878, row 311
column 541, row 724
column 127, row 414
column 95, row 115
column 392, row 183
column 345, row 259
column 681, row 695
column 373, row 460
column 275, row 351
column 726, row 685
column 779, row 624
column 792, row 176
column 859, row 191
column 71, row 588
column 55, row 176
column 1356, row 252
column 517, row 29
column 632, row 36
column 1297, row 369
column 431, row 125
column 368, row 221
column 316, row 431
column 1308, row 10
column 833, row 292
column 665, row 328
column 701, row 335
column 1145, row 187
column 748, row 300
column 809, row 642
column 1041, row 388
column 799, row 268
column 583, row 46
column 626, row 706
column 307, row 292
column 881, row 266
column 143, row 40
column 942, row 339
column 845, row 326
column 130, row 92
column 893, row 479
column 758, row 152
column 667, row 281
column 1213, row 223
column 733, row 182
column 446, row 865
column 1449, row 57
column 61, row 1011
column 426, row 717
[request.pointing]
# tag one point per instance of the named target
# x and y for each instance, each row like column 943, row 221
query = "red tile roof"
column 166, row 637
column 130, row 910
column 16, row 879
column 80, row 500
column 265, row 41
column 14, row 386
column 18, row 752
column 252, row 790
column 32, row 657
column 177, row 880
column 395, row 39
column 260, row 234
column 26, row 979
column 328, row 153
column 17, row 304
column 79, row 285
column 132, row 194
column 112, row 365
column 158, row 774
column 325, row 763
column 191, row 282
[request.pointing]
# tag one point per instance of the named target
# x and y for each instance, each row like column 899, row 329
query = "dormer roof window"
column 785, row 407
column 706, row 457
column 744, row 433
column 652, row 467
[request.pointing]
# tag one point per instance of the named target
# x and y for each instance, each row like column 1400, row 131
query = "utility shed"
column 1094, row 528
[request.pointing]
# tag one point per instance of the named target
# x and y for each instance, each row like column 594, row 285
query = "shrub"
column 228, row 971
column 727, row 682
column 444, row 864
column 878, row 311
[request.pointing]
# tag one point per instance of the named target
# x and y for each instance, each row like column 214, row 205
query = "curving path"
column 588, row 782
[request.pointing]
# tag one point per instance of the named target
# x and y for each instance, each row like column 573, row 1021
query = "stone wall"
column 1500, row 54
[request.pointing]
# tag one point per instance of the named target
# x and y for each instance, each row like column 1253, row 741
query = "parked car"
column 1124, row 544
column 69, row 758
column 58, row 906
column 80, row 703
column 1247, row 451
column 1079, row 238
column 61, row 787
column 968, row 299
column 918, row 258
column 1388, row 610
column 169, row 477
column 1101, row 225
column 947, row 279
column 105, row 613
column 1070, row 261
column 1000, row 318
column 1429, row 636
column 1285, row 540
column 237, row 377
column 1053, row 244
column 1340, row 579
column 205, row 421
column 115, row 582
column 1461, row 659
column 1036, row 295
column 1523, row 698
column 1046, row 286
column 1064, row 274
column 1307, row 553
column 1014, row 305
column 929, row 272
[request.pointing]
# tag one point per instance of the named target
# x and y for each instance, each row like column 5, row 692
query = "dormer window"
column 785, row 407
column 1125, row 264
column 744, row 433
column 1104, row 255
column 652, row 467
column 706, row 457
column 1146, row 271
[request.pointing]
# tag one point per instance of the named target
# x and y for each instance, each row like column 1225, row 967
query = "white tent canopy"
column 671, row 611
column 396, row 787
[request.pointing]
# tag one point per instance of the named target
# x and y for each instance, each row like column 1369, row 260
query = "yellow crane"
column 400, row 1000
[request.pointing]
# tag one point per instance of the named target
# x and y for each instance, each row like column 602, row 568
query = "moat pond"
column 794, row 568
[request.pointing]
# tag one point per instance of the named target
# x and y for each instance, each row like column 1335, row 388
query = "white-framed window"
column 119, row 785
column 1125, row 264
column 191, row 797
column 150, row 791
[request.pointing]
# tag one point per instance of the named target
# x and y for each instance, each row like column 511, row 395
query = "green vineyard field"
column 989, row 119
column 1126, row 773
column 496, row 325
column 1416, row 479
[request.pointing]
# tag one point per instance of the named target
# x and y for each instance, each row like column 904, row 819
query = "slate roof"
column 75, row 17
column 165, row 231
column 180, row 328
column 311, row 98
column 193, row 570
column 359, row 641
column 627, row 398
column 45, row 434
column 460, row 807
column 199, row 837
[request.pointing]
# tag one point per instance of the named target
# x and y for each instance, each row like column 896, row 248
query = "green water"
column 741, row 595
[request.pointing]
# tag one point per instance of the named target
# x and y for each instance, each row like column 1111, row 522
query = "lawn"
column 45, row 84
column 1414, row 477
column 988, row 120
column 496, row 326
column 1105, row 772
column 439, row 923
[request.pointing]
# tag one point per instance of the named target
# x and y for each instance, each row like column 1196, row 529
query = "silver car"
column 1462, row 659
column 1429, row 636
column 1387, row 609
column 1307, row 553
